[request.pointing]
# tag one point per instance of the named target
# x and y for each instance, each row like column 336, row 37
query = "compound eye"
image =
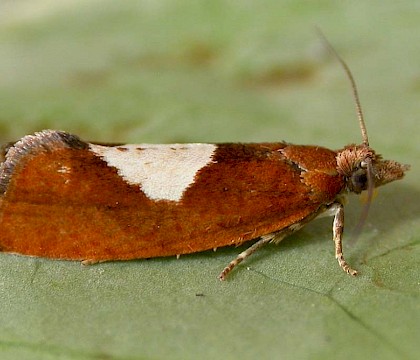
column 359, row 181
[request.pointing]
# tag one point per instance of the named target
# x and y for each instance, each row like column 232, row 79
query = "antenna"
column 353, row 86
column 368, row 161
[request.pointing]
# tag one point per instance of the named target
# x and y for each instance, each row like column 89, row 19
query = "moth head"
column 363, row 169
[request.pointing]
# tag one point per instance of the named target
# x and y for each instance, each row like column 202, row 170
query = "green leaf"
column 196, row 71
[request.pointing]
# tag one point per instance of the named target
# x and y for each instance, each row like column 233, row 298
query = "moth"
column 65, row 198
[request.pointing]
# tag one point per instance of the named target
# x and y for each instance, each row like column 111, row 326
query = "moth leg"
column 338, row 227
column 243, row 255
column 89, row 262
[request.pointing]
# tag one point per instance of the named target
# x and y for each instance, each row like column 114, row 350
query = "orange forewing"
column 67, row 203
